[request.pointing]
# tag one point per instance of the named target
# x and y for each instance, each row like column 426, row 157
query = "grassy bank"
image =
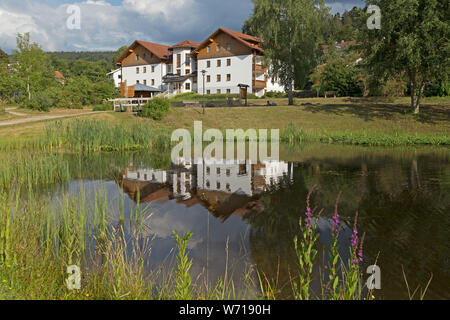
column 375, row 122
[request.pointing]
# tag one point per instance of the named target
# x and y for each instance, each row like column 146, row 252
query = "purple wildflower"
column 336, row 215
column 308, row 213
column 308, row 218
column 354, row 242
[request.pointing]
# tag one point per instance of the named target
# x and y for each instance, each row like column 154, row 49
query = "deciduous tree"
column 413, row 39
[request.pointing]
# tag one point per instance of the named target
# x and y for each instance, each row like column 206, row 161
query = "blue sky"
column 109, row 24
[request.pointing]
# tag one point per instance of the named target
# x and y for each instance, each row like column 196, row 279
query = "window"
column 178, row 71
column 208, row 64
column 219, row 78
column 153, row 82
column 218, row 185
column 208, row 91
column 145, row 177
column 219, row 63
column 145, row 82
column 228, row 91
column 188, row 86
column 228, row 172
column 218, row 170
column 145, row 70
column 228, row 187
column 153, row 68
column 137, row 70
column 218, row 47
column 194, row 80
column 208, row 49
column 228, row 62
column 207, row 184
column 179, row 60
column 188, row 60
column 229, row 46
column 219, row 91
column 137, row 81
column 208, row 78
column 208, row 171
column 188, row 71
column 137, row 57
column 228, row 77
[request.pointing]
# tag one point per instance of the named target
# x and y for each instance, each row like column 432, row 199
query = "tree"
column 291, row 31
column 32, row 67
column 413, row 40
column 4, row 58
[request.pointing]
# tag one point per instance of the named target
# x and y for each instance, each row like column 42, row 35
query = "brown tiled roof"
column 185, row 44
column 58, row 75
column 159, row 50
column 247, row 40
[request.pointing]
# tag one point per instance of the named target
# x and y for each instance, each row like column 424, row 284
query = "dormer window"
column 229, row 46
column 208, row 49
column 218, row 47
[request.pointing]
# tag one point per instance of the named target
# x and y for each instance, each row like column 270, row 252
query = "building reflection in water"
column 225, row 188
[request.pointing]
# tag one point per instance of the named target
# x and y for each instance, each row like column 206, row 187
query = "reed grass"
column 296, row 135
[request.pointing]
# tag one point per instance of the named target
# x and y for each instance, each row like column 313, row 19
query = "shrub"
column 156, row 109
column 105, row 106
column 39, row 101
column 274, row 94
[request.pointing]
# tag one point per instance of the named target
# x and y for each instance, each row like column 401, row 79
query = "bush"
column 106, row 106
column 156, row 109
column 39, row 101
column 275, row 94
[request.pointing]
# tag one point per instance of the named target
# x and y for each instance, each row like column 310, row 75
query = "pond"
column 247, row 213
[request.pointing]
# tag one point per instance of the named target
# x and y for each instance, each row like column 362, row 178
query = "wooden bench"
column 331, row 93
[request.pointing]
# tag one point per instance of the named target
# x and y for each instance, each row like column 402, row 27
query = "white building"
column 215, row 66
column 116, row 76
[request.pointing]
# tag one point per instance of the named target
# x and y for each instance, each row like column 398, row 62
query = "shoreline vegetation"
column 90, row 233
column 364, row 122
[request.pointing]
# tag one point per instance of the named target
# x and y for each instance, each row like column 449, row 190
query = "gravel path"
column 41, row 118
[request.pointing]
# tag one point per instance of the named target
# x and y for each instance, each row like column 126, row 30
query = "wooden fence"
column 129, row 104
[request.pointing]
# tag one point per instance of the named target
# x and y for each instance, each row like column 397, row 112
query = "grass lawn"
column 315, row 116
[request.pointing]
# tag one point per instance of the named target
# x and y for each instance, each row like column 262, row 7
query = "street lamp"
column 203, row 73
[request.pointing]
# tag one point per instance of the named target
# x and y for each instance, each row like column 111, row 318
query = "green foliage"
column 274, row 94
column 338, row 76
column 39, row 101
column 413, row 40
column 183, row 281
column 291, row 31
column 156, row 109
column 32, row 69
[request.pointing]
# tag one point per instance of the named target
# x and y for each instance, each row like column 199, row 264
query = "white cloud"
column 156, row 7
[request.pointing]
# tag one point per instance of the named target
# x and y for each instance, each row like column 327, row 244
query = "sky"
column 106, row 25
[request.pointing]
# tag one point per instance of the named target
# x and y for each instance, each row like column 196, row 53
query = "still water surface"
column 247, row 213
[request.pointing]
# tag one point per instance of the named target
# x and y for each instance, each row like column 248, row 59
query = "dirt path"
column 9, row 110
column 41, row 118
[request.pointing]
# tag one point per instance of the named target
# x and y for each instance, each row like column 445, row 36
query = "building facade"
column 221, row 64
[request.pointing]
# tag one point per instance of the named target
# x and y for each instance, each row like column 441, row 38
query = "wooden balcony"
column 259, row 84
column 259, row 68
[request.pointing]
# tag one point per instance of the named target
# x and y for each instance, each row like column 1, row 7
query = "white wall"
column 131, row 77
column 241, row 71
column 115, row 76
column 241, row 183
